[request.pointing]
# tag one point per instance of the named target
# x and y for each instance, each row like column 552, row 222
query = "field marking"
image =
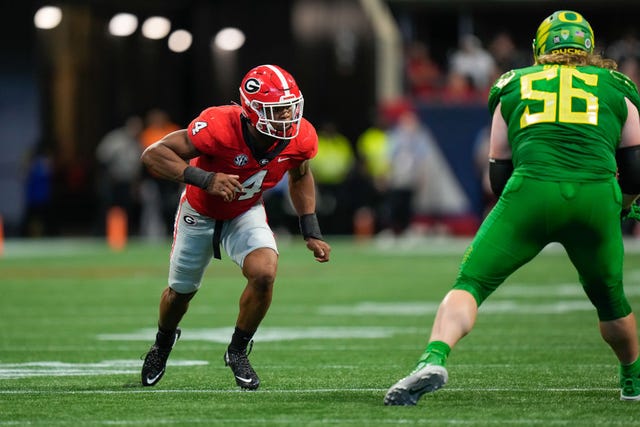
column 269, row 334
column 16, row 248
column 427, row 307
column 446, row 245
column 311, row 391
column 65, row 369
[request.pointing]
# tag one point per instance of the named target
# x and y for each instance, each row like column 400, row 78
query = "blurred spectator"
column 441, row 204
column 118, row 155
column 481, row 162
column 409, row 142
column 157, row 125
column 283, row 219
column 372, row 165
column 630, row 65
column 39, row 219
column 459, row 89
column 159, row 197
column 372, row 149
column 626, row 47
column 506, row 55
column 331, row 166
column 424, row 76
column 472, row 60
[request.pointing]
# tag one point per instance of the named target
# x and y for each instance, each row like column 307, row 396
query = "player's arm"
column 303, row 197
column 500, row 163
column 167, row 158
column 628, row 157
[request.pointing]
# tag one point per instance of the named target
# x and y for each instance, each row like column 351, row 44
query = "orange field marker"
column 117, row 228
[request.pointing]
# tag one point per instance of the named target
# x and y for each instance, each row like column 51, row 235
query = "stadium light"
column 229, row 39
column 123, row 24
column 47, row 17
column 156, row 27
column 180, row 40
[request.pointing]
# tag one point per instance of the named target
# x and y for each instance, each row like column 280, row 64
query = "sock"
column 631, row 369
column 165, row 338
column 239, row 341
column 436, row 353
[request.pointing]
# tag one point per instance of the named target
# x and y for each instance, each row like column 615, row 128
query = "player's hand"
column 225, row 186
column 632, row 212
column 320, row 249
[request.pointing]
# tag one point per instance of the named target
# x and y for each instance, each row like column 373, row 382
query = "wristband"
column 309, row 226
column 198, row 177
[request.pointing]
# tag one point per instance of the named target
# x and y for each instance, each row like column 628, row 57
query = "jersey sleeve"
column 307, row 140
column 200, row 131
column 628, row 87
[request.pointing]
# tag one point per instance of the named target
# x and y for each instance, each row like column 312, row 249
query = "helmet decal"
column 252, row 85
column 564, row 31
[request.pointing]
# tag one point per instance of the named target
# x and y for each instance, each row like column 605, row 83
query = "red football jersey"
column 217, row 134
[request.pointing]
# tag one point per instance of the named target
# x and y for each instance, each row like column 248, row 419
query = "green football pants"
column 583, row 217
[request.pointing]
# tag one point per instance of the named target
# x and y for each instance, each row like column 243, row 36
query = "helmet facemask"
column 279, row 119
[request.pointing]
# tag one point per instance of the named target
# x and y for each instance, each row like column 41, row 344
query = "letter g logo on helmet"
column 252, row 85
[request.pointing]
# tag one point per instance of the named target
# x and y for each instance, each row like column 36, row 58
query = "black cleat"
column 244, row 374
column 155, row 362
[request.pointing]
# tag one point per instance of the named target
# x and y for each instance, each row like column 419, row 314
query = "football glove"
column 632, row 212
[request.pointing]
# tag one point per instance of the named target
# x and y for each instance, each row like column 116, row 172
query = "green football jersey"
column 564, row 122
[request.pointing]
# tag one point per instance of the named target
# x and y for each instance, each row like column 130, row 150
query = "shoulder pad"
column 496, row 89
column 628, row 87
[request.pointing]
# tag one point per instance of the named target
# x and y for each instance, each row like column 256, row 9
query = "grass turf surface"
column 76, row 317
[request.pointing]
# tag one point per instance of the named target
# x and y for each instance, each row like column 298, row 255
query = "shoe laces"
column 156, row 355
column 239, row 360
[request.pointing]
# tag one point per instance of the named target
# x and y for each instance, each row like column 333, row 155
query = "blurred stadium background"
column 67, row 79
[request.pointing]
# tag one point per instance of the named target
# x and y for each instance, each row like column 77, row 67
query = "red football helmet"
column 272, row 101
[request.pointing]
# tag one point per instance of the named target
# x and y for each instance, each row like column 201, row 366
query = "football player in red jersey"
column 234, row 154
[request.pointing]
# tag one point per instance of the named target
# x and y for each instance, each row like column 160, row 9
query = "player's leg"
column 191, row 253
column 250, row 243
column 260, row 271
column 597, row 252
column 509, row 237
column 512, row 235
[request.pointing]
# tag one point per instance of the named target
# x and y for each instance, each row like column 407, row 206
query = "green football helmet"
column 564, row 31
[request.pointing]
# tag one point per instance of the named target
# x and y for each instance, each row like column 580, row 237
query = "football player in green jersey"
column 565, row 162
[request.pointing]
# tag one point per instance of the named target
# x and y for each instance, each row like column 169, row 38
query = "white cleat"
column 408, row 390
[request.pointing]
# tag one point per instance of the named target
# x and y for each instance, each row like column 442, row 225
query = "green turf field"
column 76, row 318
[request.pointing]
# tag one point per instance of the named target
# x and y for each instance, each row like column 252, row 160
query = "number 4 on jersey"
column 252, row 185
column 198, row 126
